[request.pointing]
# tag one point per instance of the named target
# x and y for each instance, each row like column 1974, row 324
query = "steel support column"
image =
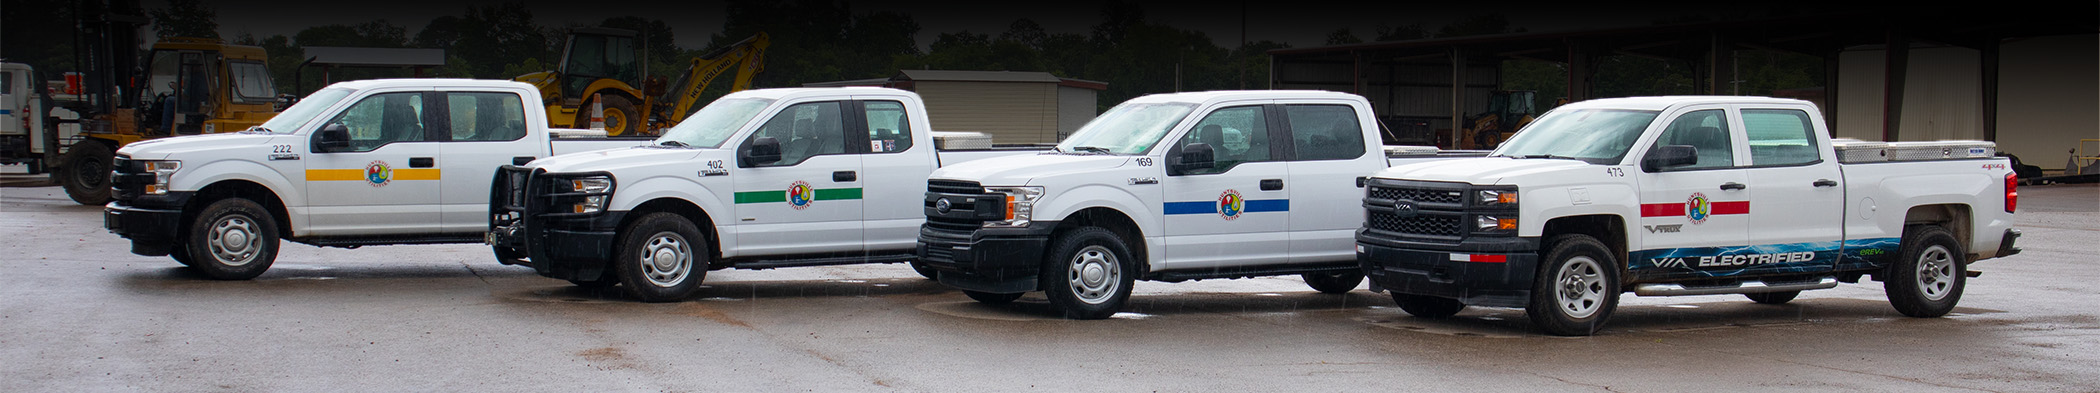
column 1896, row 64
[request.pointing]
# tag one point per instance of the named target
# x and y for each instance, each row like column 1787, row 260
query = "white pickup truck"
column 374, row 162
column 1664, row 196
column 1167, row 187
column 758, row 179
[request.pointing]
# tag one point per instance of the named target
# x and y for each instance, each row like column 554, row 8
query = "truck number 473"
column 1615, row 172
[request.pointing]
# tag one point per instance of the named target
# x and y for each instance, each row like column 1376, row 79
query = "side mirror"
column 1196, row 157
column 332, row 137
column 763, row 150
column 1669, row 156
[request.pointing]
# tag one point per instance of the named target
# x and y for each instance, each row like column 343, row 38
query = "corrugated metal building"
column 1013, row 107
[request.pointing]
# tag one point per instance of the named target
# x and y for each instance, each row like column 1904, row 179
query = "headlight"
column 1495, row 210
column 162, row 171
column 590, row 185
column 1494, row 223
column 1020, row 205
column 1496, row 198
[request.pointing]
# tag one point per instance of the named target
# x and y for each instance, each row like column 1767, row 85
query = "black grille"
column 1417, row 194
column 1419, row 225
column 954, row 187
column 129, row 180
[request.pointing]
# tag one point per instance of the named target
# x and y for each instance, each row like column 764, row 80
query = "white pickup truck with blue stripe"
column 1168, row 187
column 1665, row 196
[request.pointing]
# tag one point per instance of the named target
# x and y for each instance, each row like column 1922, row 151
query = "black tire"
column 991, row 298
column 1088, row 273
column 925, row 271
column 181, row 254
column 621, row 118
column 662, row 258
column 1431, row 307
column 85, row 174
column 1772, row 297
column 1333, row 283
column 232, row 239
column 1576, row 288
column 1928, row 279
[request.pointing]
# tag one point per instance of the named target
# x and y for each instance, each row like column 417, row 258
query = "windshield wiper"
column 1549, row 156
column 1093, row 149
column 672, row 143
column 260, row 129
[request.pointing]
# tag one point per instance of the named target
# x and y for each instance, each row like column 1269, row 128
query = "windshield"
column 1597, row 136
column 297, row 115
column 1126, row 129
column 714, row 123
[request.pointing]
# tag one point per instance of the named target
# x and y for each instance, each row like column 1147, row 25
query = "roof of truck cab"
column 1658, row 103
column 1224, row 95
column 795, row 92
column 429, row 82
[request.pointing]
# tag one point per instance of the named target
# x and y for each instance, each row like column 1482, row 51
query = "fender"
column 1115, row 198
column 1605, row 199
column 1905, row 192
column 633, row 193
column 293, row 196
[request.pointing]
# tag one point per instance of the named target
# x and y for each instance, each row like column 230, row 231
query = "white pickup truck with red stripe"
column 1694, row 195
column 359, row 163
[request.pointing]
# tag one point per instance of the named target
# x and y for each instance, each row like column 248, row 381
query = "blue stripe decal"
column 1268, row 205
column 5, row 112
column 1205, row 207
column 1211, row 207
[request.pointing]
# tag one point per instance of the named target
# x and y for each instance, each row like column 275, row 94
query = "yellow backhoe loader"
column 600, row 64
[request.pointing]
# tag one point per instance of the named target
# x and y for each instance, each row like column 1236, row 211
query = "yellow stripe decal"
column 359, row 174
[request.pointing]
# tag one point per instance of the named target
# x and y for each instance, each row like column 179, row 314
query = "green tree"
column 186, row 18
column 1342, row 36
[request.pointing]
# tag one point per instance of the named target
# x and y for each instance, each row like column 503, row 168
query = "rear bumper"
column 1499, row 274
column 994, row 260
column 2005, row 243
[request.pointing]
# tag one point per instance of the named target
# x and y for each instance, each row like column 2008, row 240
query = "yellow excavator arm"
column 748, row 55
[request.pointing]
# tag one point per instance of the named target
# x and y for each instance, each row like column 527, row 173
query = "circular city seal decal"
column 1230, row 204
column 378, row 173
column 1698, row 208
column 800, row 195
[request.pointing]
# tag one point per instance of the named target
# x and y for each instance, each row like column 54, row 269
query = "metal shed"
column 1013, row 107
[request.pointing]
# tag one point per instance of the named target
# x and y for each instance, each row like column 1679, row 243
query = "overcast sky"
column 1300, row 24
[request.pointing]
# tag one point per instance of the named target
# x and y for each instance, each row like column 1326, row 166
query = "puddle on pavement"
column 1019, row 311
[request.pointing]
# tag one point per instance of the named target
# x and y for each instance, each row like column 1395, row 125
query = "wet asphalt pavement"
column 78, row 312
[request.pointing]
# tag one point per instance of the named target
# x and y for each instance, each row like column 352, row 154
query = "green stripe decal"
column 771, row 196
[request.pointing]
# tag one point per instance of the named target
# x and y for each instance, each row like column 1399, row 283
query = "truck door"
column 386, row 179
column 1692, row 215
column 808, row 202
column 482, row 130
column 895, row 175
column 1799, row 203
column 1329, row 154
column 1236, row 212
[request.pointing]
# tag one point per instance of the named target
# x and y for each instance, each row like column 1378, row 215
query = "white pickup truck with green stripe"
column 758, row 179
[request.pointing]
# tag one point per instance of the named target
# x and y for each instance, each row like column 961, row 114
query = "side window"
column 381, row 119
column 1705, row 130
column 1325, row 132
column 888, row 129
column 1780, row 137
column 1236, row 135
column 806, row 130
column 486, row 116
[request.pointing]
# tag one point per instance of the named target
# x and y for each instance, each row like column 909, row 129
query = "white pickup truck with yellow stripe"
column 758, row 179
column 374, row 162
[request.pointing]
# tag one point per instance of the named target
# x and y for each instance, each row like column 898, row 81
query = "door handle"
column 1271, row 184
column 1731, row 186
column 844, row 176
column 522, row 160
column 421, row 162
column 1826, row 183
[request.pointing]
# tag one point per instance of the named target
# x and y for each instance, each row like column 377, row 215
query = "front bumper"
column 1491, row 274
column 994, row 260
column 151, row 228
column 525, row 223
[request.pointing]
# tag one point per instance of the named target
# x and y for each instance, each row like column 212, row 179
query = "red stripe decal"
column 1739, row 207
column 1490, row 258
column 1662, row 209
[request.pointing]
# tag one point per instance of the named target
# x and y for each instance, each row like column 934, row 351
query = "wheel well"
column 1609, row 229
column 1113, row 221
column 242, row 189
column 680, row 207
column 1954, row 217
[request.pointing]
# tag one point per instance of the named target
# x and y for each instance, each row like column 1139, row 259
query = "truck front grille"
column 1432, row 212
column 1419, row 225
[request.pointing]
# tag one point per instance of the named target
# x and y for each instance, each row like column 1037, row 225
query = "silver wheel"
column 1579, row 287
column 1094, row 274
column 666, row 259
column 1935, row 273
column 233, row 240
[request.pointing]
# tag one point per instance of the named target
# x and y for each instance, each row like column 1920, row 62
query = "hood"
column 1019, row 170
column 1486, row 170
column 165, row 148
column 615, row 159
